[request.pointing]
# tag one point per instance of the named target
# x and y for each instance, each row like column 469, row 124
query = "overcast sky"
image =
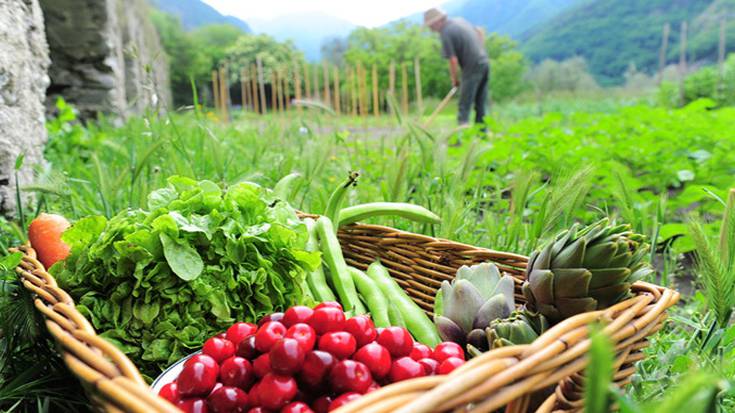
column 365, row 13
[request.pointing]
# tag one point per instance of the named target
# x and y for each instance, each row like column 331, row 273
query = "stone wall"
column 23, row 81
column 105, row 56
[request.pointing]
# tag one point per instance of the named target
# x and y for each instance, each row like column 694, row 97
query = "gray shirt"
column 460, row 39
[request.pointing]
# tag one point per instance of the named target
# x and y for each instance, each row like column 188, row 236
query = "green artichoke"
column 522, row 327
column 585, row 269
column 466, row 306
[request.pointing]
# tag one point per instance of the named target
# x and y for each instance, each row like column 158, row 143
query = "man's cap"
column 433, row 15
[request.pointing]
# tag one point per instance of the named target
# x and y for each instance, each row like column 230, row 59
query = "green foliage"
column 273, row 54
column 570, row 75
column 599, row 373
column 706, row 82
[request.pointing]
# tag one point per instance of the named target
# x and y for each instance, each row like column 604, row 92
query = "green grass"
column 509, row 190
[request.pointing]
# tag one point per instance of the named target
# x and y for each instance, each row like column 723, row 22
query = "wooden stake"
column 376, row 98
column 682, row 61
column 404, row 87
column 244, row 89
column 392, row 82
column 254, row 89
column 215, row 89
column 363, row 90
column 353, row 91
column 286, row 90
column 307, row 82
column 261, row 81
column 297, row 86
column 327, row 94
column 274, row 92
column 721, row 57
column 224, row 93
column 662, row 52
column 417, row 85
column 337, row 91
column 315, row 83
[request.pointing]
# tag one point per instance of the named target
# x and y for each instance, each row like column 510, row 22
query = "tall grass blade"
column 599, row 373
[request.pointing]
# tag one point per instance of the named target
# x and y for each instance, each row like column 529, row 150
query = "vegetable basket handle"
column 109, row 377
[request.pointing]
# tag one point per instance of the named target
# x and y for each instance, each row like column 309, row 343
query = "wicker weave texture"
column 544, row 376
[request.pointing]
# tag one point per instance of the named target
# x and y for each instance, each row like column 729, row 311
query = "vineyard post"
column 286, row 89
column 327, row 94
column 244, row 89
column 224, row 93
column 315, row 85
column 404, row 88
column 297, row 86
column 682, row 61
column 254, row 89
column 419, row 97
column 392, row 82
column 376, row 97
column 307, row 82
column 274, row 93
column 363, row 90
column 215, row 89
column 721, row 57
column 662, row 52
column 261, row 81
column 353, row 91
column 337, row 90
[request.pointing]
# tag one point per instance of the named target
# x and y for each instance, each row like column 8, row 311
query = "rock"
column 106, row 57
column 23, row 81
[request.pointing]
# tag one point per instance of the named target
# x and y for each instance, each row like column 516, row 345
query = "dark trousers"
column 473, row 90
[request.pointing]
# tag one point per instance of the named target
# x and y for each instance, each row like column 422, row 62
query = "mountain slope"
column 511, row 18
column 306, row 30
column 611, row 34
column 196, row 13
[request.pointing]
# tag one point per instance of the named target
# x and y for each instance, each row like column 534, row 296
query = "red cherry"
column 350, row 375
column 193, row 405
column 237, row 372
column 447, row 349
column 321, row 405
column 344, row 399
column 253, row 395
column 332, row 304
column 207, row 360
column 297, row 314
column 430, row 365
column 239, row 331
column 304, row 334
column 376, row 357
column 219, row 349
column 362, row 328
column 448, row 365
column 270, row 317
column 327, row 319
column 268, row 334
column 373, row 387
column 276, row 391
column 258, row 410
column 246, row 348
column 170, row 392
column 222, row 335
column 405, row 368
column 420, row 351
column 317, row 364
column 397, row 340
column 216, row 387
column 228, row 399
column 262, row 365
column 286, row 356
column 341, row 344
column 196, row 379
column 297, row 407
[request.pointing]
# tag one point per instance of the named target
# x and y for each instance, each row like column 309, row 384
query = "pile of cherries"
column 302, row 360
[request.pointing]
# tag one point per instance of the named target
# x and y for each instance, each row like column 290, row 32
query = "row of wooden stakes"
column 356, row 97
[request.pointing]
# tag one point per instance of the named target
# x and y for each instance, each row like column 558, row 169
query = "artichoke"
column 467, row 306
column 522, row 327
column 585, row 269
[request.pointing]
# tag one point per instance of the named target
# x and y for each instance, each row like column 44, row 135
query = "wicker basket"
column 545, row 376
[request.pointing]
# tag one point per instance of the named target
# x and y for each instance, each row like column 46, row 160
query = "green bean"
column 373, row 296
column 335, row 200
column 316, row 280
column 338, row 272
column 417, row 322
column 395, row 317
column 284, row 188
column 413, row 212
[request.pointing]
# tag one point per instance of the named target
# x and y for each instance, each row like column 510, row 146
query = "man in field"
column 463, row 45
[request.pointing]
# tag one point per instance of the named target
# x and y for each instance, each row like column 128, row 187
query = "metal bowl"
column 170, row 374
